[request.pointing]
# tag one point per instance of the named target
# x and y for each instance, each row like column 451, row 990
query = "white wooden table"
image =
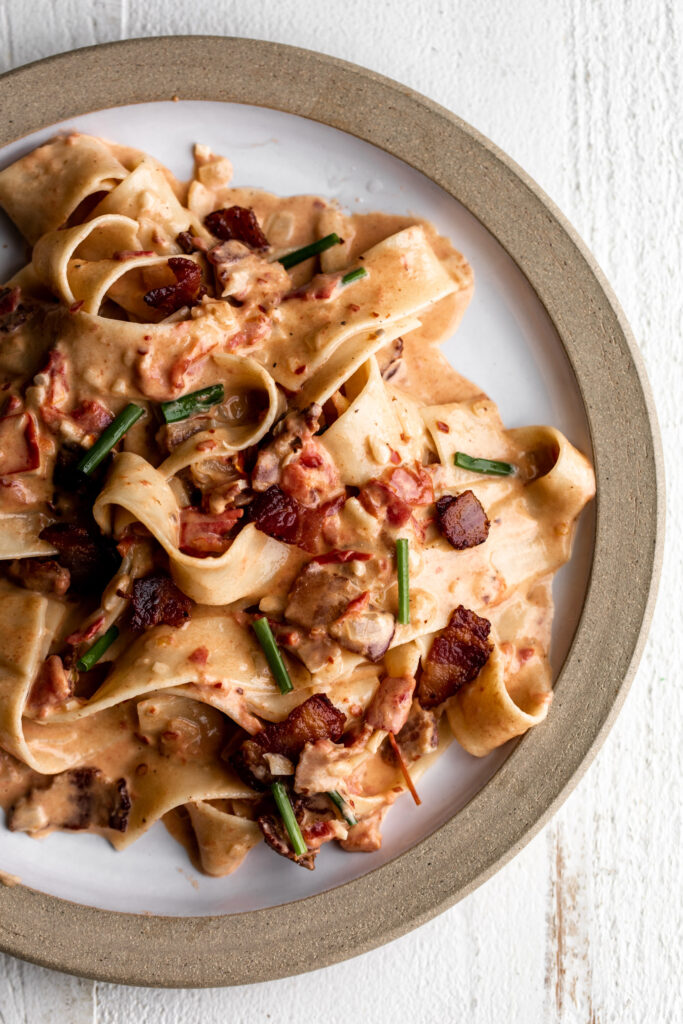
column 586, row 924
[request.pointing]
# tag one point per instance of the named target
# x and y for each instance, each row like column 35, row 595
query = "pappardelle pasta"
column 264, row 552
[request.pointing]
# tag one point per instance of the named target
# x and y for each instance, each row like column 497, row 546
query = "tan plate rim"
column 549, row 761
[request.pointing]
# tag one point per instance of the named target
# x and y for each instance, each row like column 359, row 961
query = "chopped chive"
column 402, row 571
column 286, row 810
column 305, row 253
column 341, row 803
column 186, row 406
column 109, row 437
column 94, row 653
column 491, row 466
column 271, row 650
column 354, row 275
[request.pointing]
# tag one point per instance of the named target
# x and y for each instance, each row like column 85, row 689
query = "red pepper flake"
column 132, row 254
column 525, row 653
column 300, row 369
column 353, row 307
column 376, row 315
column 141, row 769
column 443, row 427
column 404, row 769
column 395, row 457
column 199, row 656
column 76, row 306
column 338, row 556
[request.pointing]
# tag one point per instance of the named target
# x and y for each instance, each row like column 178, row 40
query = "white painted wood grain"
column 585, row 925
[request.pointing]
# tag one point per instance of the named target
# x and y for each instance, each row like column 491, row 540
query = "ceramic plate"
column 542, row 336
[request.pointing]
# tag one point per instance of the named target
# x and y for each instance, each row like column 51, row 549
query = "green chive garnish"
column 94, row 653
column 402, row 572
column 341, row 803
column 109, row 437
column 286, row 810
column 491, row 466
column 354, row 275
column 271, row 650
column 186, row 406
column 305, row 253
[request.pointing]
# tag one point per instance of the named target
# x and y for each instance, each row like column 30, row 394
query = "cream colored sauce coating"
column 162, row 717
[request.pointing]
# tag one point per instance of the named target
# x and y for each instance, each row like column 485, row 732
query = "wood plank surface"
column 585, row 925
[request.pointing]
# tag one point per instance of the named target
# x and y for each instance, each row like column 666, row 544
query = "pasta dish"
column 264, row 552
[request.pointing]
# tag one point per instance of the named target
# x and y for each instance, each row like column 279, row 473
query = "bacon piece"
column 316, row 718
column 89, row 558
column 390, row 707
column 76, row 799
column 462, row 520
column 186, row 291
column 397, row 492
column 456, row 656
column 52, row 687
column 297, row 462
column 337, row 556
column 157, row 600
column 185, row 241
column 41, row 574
column 92, row 416
column 203, row 534
column 239, row 223
column 283, row 517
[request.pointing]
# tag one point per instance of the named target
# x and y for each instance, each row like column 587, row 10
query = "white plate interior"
column 506, row 344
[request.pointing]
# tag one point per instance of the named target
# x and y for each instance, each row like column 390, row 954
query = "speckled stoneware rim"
column 547, row 764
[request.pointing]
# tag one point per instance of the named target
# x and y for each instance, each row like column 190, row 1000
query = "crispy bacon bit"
column 390, row 707
column 186, row 291
column 156, row 600
column 462, row 520
column 89, row 558
column 76, row 799
column 337, row 556
column 456, row 656
column 317, row 718
column 41, row 574
column 52, row 688
column 239, row 223
column 443, row 427
column 202, row 533
column 283, row 517
column 199, row 656
column 92, row 416
column 185, row 242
